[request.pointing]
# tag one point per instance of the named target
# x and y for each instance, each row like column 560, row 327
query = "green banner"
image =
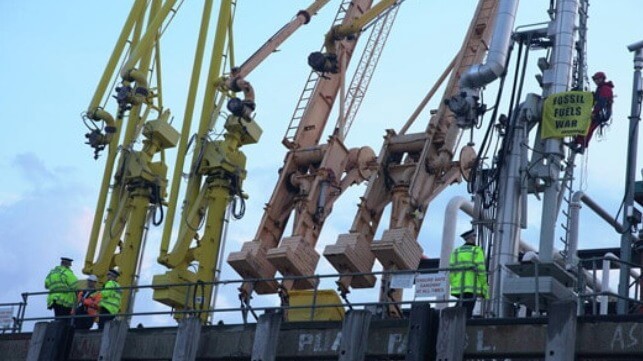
column 566, row 114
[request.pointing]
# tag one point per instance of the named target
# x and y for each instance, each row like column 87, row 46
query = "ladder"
column 309, row 87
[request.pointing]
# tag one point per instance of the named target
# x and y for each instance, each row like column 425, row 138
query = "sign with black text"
column 431, row 284
column 567, row 114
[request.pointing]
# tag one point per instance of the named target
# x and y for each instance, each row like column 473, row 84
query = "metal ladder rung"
column 311, row 84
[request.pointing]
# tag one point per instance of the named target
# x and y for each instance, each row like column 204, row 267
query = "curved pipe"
column 482, row 74
column 448, row 230
column 135, row 75
column 574, row 214
column 448, row 239
column 241, row 108
column 99, row 114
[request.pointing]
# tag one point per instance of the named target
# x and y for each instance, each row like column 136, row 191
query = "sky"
column 52, row 56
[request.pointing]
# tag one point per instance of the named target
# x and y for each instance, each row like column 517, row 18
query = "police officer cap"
column 66, row 259
column 92, row 278
column 114, row 273
column 469, row 233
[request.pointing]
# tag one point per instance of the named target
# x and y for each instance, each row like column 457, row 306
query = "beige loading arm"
column 312, row 178
column 413, row 169
column 236, row 81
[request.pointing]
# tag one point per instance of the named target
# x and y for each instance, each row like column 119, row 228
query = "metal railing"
column 594, row 291
column 246, row 308
column 16, row 319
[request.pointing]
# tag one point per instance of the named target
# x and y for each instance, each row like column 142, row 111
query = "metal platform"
column 531, row 290
column 528, row 269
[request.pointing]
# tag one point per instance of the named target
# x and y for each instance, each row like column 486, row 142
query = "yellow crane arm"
column 139, row 182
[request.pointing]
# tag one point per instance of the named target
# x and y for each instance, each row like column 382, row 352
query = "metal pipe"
column 636, row 46
column 481, row 74
column 185, row 130
column 507, row 233
column 605, row 279
column 561, row 66
column 575, row 206
column 101, row 88
column 146, row 42
column 582, row 197
column 630, row 178
column 428, row 96
column 448, row 230
column 457, row 204
column 356, row 25
column 303, row 17
column 609, row 257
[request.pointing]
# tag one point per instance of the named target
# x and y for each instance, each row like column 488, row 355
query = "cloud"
column 33, row 170
column 38, row 225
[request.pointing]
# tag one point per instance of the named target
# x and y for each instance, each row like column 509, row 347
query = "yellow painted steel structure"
column 215, row 178
column 217, row 169
column 134, row 181
column 136, row 184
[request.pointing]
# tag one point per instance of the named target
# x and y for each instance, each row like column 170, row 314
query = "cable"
column 157, row 200
column 483, row 149
column 235, row 181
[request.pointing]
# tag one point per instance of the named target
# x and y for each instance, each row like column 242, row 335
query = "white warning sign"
column 431, row 284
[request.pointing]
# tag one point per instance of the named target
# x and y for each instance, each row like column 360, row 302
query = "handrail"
column 192, row 288
column 603, row 296
column 17, row 319
column 245, row 307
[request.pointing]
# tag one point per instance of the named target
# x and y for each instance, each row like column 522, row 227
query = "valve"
column 98, row 140
column 241, row 108
column 466, row 108
column 126, row 96
column 95, row 139
column 323, row 62
column 633, row 215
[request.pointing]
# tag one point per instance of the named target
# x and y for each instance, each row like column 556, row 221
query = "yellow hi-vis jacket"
column 472, row 276
column 61, row 279
column 111, row 298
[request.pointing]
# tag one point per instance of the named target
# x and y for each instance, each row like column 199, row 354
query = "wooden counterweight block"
column 295, row 257
column 352, row 254
column 398, row 249
column 251, row 262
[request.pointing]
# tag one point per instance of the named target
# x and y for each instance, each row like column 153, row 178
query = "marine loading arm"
column 139, row 185
column 412, row 170
column 314, row 175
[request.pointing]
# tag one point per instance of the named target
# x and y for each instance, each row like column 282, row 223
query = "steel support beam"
column 354, row 342
column 51, row 341
column 450, row 344
column 187, row 339
column 112, row 341
column 422, row 332
column 264, row 347
column 561, row 332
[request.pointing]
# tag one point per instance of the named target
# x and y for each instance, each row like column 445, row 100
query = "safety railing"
column 246, row 307
column 597, row 296
column 11, row 315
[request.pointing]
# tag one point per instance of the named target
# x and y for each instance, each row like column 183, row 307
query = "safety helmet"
column 599, row 74
column 114, row 273
column 92, row 278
